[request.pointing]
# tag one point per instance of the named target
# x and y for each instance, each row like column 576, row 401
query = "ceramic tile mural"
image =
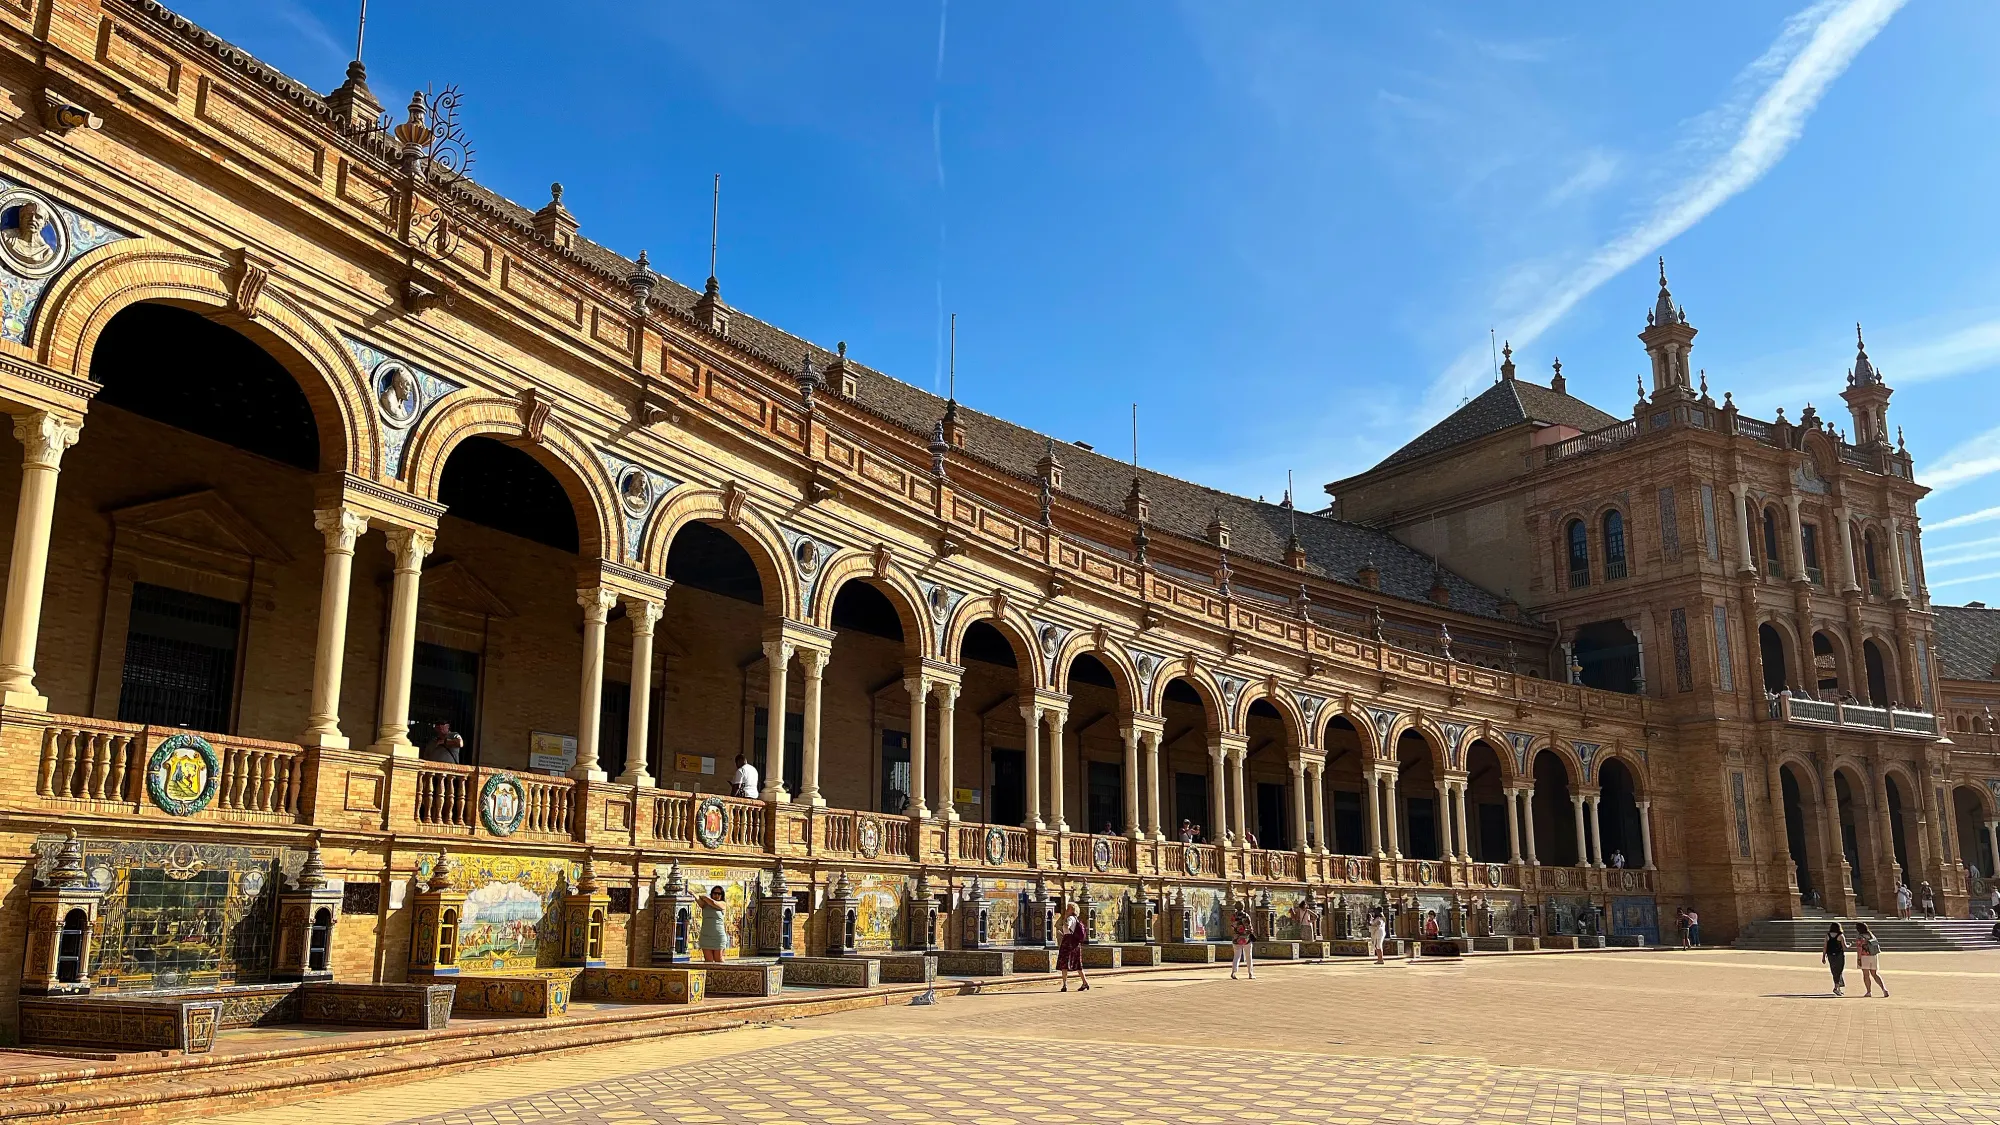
column 1206, row 921
column 739, row 892
column 19, row 295
column 1285, row 926
column 178, row 915
column 878, row 914
column 510, row 910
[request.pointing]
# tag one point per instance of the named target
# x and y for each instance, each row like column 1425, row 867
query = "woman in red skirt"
column 1069, row 950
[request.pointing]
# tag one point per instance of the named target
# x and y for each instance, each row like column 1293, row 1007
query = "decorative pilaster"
column 645, row 617
column 409, row 547
column 341, row 527
column 778, row 661
column 44, row 437
column 596, row 602
column 812, row 666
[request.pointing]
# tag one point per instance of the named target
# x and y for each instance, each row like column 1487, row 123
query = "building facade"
column 325, row 446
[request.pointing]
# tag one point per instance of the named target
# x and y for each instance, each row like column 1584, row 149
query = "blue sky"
column 1284, row 229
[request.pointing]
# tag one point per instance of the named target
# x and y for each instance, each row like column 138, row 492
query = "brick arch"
column 1204, row 683
column 1288, row 712
column 752, row 529
column 1988, row 804
column 1642, row 782
column 1012, row 623
column 1502, row 753
column 854, row 566
column 466, row 414
column 1364, row 726
column 1566, row 754
column 82, row 300
column 1123, row 675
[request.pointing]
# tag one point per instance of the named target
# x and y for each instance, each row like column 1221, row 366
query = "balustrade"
column 444, row 796
column 99, row 760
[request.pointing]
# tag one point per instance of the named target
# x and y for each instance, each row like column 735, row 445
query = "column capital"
column 341, row 527
column 643, row 613
column 410, row 546
column 812, row 661
column 778, row 651
column 945, row 691
column 596, row 602
column 45, row 435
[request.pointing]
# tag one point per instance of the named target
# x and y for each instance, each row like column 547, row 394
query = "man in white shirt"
column 745, row 782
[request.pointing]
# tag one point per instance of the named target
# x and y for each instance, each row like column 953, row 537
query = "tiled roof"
column 1509, row 402
column 1335, row 549
column 1968, row 640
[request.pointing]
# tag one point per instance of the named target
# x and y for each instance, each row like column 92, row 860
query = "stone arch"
column 1425, row 729
column 81, row 301
column 1364, row 726
column 918, row 629
column 1565, row 753
column 1788, row 646
column 1843, row 658
column 1200, row 679
column 462, row 415
column 1009, row 620
column 1642, row 783
column 1987, row 801
column 1288, row 710
column 1124, row 677
column 758, row 536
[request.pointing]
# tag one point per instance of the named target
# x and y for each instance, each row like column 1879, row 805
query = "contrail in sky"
column 937, row 159
column 1815, row 47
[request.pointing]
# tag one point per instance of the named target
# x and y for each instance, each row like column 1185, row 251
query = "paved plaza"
column 1643, row 1037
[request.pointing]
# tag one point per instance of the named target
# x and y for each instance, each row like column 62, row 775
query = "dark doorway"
column 1609, row 654
column 1878, row 676
column 1104, row 796
column 1896, row 833
column 1008, row 803
column 1826, row 667
column 1191, row 802
column 1850, row 832
column 1555, row 816
column 180, row 659
column 1771, row 649
column 444, row 687
column 1349, row 833
column 895, row 771
column 1618, row 814
column 1421, row 828
column 1272, row 827
column 614, row 715
column 1795, row 831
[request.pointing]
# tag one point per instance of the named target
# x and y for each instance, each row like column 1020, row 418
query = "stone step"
column 1899, row 935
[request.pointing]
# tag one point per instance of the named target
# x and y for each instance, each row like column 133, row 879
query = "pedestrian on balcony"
column 445, row 745
column 1834, row 956
column 1902, row 900
column 1070, row 936
column 744, row 784
column 1867, row 947
column 1199, row 836
column 1618, row 857
column 1929, row 899
column 713, row 937
column 1187, row 831
column 1242, row 956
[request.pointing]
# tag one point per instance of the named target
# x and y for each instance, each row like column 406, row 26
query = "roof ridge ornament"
column 1558, row 384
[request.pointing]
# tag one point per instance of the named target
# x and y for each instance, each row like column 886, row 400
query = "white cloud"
column 1972, row 348
column 1967, row 580
column 1596, row 170
column 1951, row 553
column 1964, row 463
column 1932, row 562
column 1815, row 47
column 1983, row 515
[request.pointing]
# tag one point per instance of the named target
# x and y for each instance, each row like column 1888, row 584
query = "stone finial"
column 586, row 879
column 353, row 102
column 939, row 447
column 1225, row 577
column 1507, row 362
column 809, row 380
column 444, row 872
column 1444, row 639
column 1218, row 529
column 1864, row 373
column 676, row 882
column 923, row 888
column 68, row 872
column 641, row 281
column 553, row 222
column 312, row 874
column 1140, row 541
column 975, row 893
column 780, row 886
column 840, row 377
column 1137, row 507
column 709, row 311
column 1375, row 622
column 1050, row 467
column 1558, row 384
column 842, row 887
column 1041, row 887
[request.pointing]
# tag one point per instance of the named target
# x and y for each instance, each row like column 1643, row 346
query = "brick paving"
column 1710, row 1036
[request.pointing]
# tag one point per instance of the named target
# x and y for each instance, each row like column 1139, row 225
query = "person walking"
column 1929, row 899
column 1834, row 956
column 1902, row 900
column 1866, row 949
column 1070, row 936
column 713, row 937
column 1694, row 928
column 1241, row 957
column 1681, row 921
column 1378, row 933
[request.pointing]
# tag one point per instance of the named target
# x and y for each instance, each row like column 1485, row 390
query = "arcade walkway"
column 1668, row 1037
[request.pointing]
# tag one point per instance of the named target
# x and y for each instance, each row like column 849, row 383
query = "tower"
column 1668, row 338
column 1867, row 398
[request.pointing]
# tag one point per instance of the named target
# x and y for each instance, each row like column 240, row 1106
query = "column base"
column 29, row 700
column 325, row 739
column 811, row 798
column 917, row 812
column 775, row 795
column 395, row 748
column 638, row 779
column 588, row 773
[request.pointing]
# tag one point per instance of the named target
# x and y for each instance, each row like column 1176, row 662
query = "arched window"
column 319, row 942
column 1579, row 554
column 70, row 947
column 1809, row 547
column 1868, row 559
column 1614, row 544
column 1773, row 564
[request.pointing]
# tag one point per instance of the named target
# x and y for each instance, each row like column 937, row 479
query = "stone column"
column 1798, row 543
column 1442, row 819
column 1528, row 826
column 1746, row 563
column 1031, row 723
column 919, row 690
column 1152, row 738
column 1898, row 589
column 1131, row 735
column 408, row 547
column 1646, row 832
column 1848, row 583
column 341, row 528
column 1057, row 778
column 1237, row 768
column 1299, row 807
column 812, row 666
column 1389, row 780
column 1371, row 810
column 596, row 602
column 1513, row 825
column 1316, row 781
column 1993, row 849
column 1582, row 848
column 1836, row 847
column 1464, row 838
column 44, row 437
column 947, row 701
column 778, row 662
column 1218, row 792
column 1887, row 834
column 1593, row 815
column 644, row 616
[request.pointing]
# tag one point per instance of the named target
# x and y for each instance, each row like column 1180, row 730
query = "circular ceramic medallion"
column 1628, row 879
column 1353, row 870
column 1562, row 877
column 251, row 883
column 940, row 603
column 183, row 774
column 1050, row 641
column 397, row 394
column 1100, row 854
column 869, row 836
column 996, row 846
column 1493, row 874
column 1424, row 871
column 808, row 555
column 33, row 240
column 711, row 822
column 502, row 802
column 635, row 491
column 1190, row 861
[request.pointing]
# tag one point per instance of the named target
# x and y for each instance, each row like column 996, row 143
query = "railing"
column 837, row 832
column 896, row 837
column 673, row 817
column 1815, row 575
column 1614, row 569
column 99, row 760
column 1206, row 860
column 444, row 797
column 1610, row 437
column 551, row 805
column 1798, row 709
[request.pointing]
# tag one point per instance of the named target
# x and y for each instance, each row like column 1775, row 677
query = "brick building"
column 325, row 445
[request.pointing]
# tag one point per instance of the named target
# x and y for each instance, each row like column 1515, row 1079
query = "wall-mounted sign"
column 554, row 753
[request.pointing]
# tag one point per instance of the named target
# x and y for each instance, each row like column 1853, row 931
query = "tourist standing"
column 1069, row 947
column 1241, row 956
column 1378, row 933
column 1902, row 900
column 713, row 937
column 1834, row 956
column 1866, row 949
column 1694, row 928
column 744, row 784
column 1929, row 900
